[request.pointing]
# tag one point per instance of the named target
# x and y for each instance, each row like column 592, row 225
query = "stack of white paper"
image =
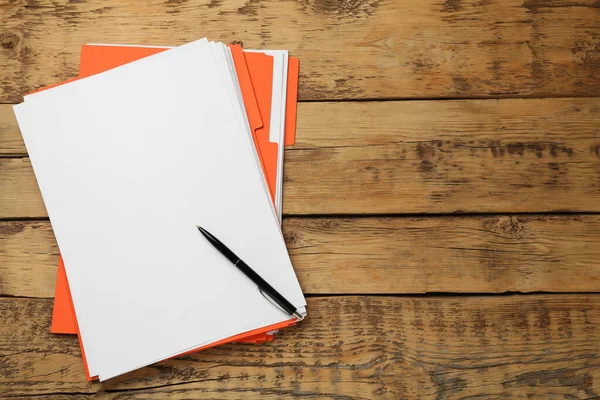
column 128, row 162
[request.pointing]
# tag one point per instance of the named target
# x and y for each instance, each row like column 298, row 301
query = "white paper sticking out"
column 145, row 152
column 224, row 59
column 278, row 110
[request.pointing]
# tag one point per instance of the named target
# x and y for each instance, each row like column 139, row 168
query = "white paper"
column 278, row 111
column 128, row 162
column 223, row 54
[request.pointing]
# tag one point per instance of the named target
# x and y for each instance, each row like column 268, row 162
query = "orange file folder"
column 263, row 87
column 260, row 67
column 291, row 110
column 255, row 76
column 257, row 97
column 96, row 59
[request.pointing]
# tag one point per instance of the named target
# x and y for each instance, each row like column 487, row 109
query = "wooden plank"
column 11, row 142
column 28, row 259
column 383, row 255
column 445, row 156
column 530, row 155
column 542, row 346
column 20, row 195
column 362, row 49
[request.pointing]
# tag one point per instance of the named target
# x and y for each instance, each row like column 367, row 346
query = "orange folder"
column 254, row 71
column 291, row 110
column 262, row 82
column 263, row 87
column 95, row 59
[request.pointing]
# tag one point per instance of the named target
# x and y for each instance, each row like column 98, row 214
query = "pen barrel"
column 265, row 287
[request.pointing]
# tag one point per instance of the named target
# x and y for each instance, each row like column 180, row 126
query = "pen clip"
column 270, row 300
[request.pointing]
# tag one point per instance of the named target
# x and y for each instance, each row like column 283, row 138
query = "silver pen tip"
column 298, row 315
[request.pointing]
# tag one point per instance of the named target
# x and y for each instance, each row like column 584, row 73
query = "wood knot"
column 238, row 42
column 452, row 6
column 507, row 226
column 291, row 238
column 8, row 40
column 11, row 228
column 429, row 155
column 587, row 52
column 346, row 8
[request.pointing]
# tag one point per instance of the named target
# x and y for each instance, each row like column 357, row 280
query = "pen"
column 263, row 285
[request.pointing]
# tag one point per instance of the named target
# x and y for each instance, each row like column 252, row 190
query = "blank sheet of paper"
column 145, row 152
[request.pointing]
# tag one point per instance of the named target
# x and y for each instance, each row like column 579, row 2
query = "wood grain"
column 349, row 347
column 445, row 156
column 349, row 49
column 28, row 259
column 20, row 195
column 11, row 142
column 492, row 254
column 530, row 155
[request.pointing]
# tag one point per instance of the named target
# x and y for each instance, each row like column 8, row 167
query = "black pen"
column 263, row 285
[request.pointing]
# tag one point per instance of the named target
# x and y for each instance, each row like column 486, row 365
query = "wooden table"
column 441, row 203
